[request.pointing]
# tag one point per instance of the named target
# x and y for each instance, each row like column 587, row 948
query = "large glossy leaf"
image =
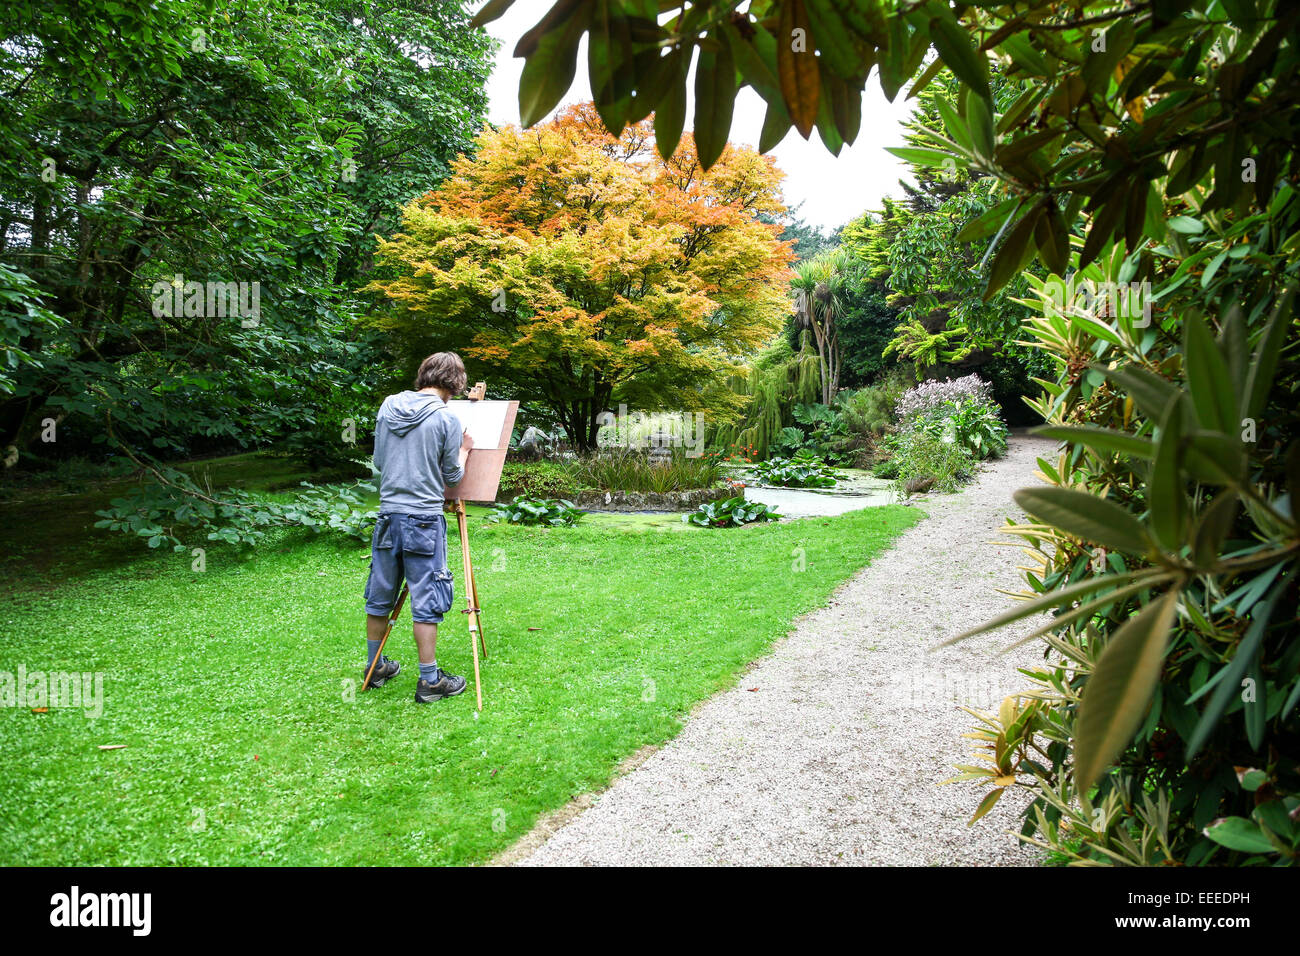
column 1061, row 597
column 1240, row 834
column 1053, row 240
column 1166, row 498
column 756, row 60
column 1208, row 378
column 610, row 64
column 1260, row 378
column 670, row 115
column 979, row 120
column 1099, row 66
column 1256, row 709
column 775, row 125
column 559, row 13
column 549, row 70
column 1213, row 526
column 954, row 125
column 955, row 45
column 1215, row 458
column 1085, row 516
column 1013, row 253
column 1102, row 229
column 834, row 41
column 1135, row 213
column 924, row 80
column 827, row 127
column 1149, row 392
column 989, row 222
column 715, row 96
column 1101, row 439
column 1232, row 342
column 797, row 69
column 986, row 804
column 1120, row 688
column 654, row 73
column 490, row 11
column 920, row 156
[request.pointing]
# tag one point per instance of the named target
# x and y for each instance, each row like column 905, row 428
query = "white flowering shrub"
column 930, row 395
column 943, row 429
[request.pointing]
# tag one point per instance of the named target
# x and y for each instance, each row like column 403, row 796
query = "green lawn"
column 231, row 687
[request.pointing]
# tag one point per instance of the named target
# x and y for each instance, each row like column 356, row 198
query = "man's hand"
column 466, row 443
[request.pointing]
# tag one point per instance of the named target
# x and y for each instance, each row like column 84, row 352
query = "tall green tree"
column 162, row 158
column 822, row 289
column 189, row 143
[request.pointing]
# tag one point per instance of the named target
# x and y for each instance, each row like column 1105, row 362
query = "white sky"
column 833, row 189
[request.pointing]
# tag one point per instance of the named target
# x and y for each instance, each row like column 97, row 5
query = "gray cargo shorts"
column 414, row 548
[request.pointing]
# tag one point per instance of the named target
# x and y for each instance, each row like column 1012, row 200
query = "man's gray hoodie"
column 417, row 453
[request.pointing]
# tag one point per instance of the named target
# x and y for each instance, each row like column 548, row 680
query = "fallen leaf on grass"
column 40, row 710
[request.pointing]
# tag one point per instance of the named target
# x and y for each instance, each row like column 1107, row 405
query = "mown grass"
column 231, row 687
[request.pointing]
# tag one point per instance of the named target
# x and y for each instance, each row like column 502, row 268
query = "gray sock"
column 429, row 672
column 372, row 648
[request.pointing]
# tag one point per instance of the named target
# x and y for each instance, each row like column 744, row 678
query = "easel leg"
column 392, row 619
column 471, row 599
column 478, row 611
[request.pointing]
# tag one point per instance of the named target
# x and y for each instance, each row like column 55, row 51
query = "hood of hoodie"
column 405, row 410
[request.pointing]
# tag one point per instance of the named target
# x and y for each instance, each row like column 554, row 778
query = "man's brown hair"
column 442, row 370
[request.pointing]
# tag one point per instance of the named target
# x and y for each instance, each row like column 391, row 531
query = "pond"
column 855, row 490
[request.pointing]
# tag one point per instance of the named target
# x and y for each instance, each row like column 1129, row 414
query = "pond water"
column 855, row 490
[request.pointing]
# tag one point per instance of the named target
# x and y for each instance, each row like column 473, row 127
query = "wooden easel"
column 472, row 608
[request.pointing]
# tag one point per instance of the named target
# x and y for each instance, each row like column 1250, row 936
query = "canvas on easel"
column 490, row 424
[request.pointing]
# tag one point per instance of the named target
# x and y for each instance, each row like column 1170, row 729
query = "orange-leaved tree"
column 585, row 270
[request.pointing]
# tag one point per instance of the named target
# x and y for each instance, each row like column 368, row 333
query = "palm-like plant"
column 821, row 286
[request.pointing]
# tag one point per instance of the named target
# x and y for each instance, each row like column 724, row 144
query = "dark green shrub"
column 869, row 411
column 537, row 479
column 1163, row 726
column 887, row 468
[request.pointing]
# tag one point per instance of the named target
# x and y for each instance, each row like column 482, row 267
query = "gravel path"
column 835, row 758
